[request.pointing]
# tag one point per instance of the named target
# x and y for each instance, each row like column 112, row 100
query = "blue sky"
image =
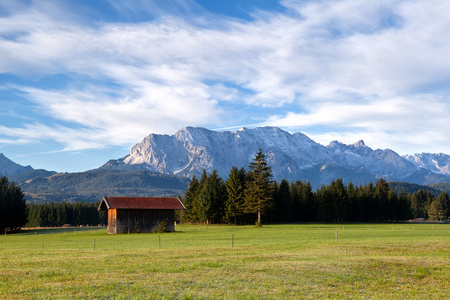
column 81, row 82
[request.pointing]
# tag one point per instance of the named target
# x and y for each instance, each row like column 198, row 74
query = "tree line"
column 15, row 212
column 13, row 208
column 58, row 214
column 243, row 197
column 243, row 194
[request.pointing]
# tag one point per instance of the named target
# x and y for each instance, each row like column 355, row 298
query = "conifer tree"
column 294, row 194
column 419, row 201
column 307, row 202
column 235, row 185
column 190, row 200
column 404, row 207
column 352, row 194
column 258, row 194
column 13, row 208
column 218, row 195
column 211, row 199
column 381, row 200
column 340, row 200
column 326, row 204
column 438, row 209
column 284, row 203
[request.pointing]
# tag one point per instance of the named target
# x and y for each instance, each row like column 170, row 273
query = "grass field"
column 407, row 261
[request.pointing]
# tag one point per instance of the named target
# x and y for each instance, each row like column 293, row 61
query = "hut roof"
column 140, row 203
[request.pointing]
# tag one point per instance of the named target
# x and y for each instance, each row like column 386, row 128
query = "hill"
column 411, row 188
column 91, row 186
column 443, row 187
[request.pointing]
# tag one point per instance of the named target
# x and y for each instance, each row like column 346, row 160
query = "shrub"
column 162, row 227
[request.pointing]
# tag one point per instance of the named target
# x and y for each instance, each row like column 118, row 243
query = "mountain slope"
column 438, row 163
column 8, row 167
column 292, row 156
column 191, row 150
column 91, row 186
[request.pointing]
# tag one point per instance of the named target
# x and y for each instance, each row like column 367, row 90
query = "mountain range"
column 291, row 156
column 163, row 164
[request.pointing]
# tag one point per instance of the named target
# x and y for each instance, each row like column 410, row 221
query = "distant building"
column 139, row 214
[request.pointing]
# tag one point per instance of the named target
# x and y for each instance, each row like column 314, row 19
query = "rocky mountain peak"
column 291, row 156
column 359, row 143
column 8, row 167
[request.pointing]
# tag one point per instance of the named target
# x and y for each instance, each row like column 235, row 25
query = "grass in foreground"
column 281, row 261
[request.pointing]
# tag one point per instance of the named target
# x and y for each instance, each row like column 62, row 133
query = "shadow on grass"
column 58, row 230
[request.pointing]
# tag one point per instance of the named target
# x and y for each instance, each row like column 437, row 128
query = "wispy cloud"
column 358, row 69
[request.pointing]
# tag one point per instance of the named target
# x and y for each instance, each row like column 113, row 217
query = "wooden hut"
column 139, row 214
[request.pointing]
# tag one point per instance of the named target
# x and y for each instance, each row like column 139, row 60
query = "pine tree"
column 352, row 194
column 393, row 209
column 258, row 194
column 381, row 200
column 445, row 200
column 419, row 203
column 307, row 200
column 326, row 204
column 404, row 204
column 340, row 200
column 284, row 203
column 218, row 196
column 190, row 198
column 205, row 211
column 13, row 208
column 211, row 199
column 438, row 209
column 235, row 185
column 296, row 204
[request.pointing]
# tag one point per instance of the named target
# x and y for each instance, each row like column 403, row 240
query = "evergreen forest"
column 58, row 214
column 211, row 199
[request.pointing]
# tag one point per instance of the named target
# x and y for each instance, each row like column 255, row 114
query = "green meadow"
column 304, row 261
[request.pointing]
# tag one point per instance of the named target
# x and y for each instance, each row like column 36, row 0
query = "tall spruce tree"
column 284, row 203
column 190, row 201
column 296, row 204
column 235, row 185
column 381, row 200
column 307, row 202
column 13, row 208
column 211, row 199
column 339, row 197
column 218, row 195
column 258, row 194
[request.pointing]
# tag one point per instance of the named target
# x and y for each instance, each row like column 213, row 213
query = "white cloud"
column 417, row 123
column 103, row 121
column 375, row 68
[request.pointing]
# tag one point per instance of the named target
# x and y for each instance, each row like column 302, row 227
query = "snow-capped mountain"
column 8, row 167
column 291, row 156
column 437, row 163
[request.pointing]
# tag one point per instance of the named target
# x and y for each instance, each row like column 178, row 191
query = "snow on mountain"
column 438, row 163
column 8, row 167
column 291, row 156
column 191, row 150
